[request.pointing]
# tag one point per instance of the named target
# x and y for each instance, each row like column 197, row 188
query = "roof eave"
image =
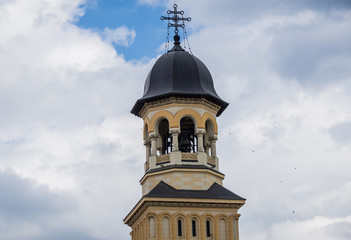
column 140, row 102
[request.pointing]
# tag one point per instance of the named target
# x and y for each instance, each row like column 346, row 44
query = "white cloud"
column 316, row 228
column 65, row 96
column 341, row 132
column 120, row 36
column 152, row 2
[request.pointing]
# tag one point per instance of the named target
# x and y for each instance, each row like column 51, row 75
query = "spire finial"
column 176, row 18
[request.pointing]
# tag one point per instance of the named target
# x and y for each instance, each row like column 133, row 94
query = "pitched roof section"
column 216, row 191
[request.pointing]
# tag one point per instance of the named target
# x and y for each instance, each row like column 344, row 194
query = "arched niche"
column 166, row 227
column 152, row 226
column 207, row 116
column 187, row 140
column 223, row 229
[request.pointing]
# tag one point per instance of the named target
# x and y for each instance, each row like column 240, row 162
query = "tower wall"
column 223, row 222
column 190, row 179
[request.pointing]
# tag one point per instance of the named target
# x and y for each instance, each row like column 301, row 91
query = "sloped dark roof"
column 182, row 166
column 178, row 74
column 216, row 191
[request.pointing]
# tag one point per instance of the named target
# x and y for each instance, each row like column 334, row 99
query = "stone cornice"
column 175, row 169
column 177, row 100
column 146, row 202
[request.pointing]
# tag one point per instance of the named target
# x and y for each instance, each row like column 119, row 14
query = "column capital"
column 214, row 138
column 200, row 131
column 152, row 135
column 174, row 131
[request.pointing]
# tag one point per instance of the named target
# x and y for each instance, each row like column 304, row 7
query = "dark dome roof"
column 180, row 74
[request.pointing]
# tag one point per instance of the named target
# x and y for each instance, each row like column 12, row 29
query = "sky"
column 71, row 154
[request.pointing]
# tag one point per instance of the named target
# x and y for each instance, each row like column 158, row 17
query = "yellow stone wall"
column 190, row 179
column 141, row 228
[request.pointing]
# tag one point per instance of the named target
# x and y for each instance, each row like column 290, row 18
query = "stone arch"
column 209, row 225
column 194, row 226
column 208, row 116
column 180, row 229
column 161, row 114
column 223, row 227
column 166, row 226
column 164, row 138
column 152, row 226
column 146, row 129
column 187, row 138
column 190, row 113
column 234, row 225
column 209, row 134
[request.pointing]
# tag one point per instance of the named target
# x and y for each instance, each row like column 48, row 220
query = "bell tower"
column 182, row 189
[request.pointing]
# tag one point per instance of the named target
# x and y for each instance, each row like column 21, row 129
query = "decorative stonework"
column 211, row 161
column 180, row 204
column 163, row 159
column 189, row 156
column 172, row 100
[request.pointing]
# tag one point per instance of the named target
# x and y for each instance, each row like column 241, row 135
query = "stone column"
column 200, row 140
column 175, row 133
column 147, row 148
column 147, row 154
column 213, row 146
column 236, row 229
column 153, row 139
column 207, row 149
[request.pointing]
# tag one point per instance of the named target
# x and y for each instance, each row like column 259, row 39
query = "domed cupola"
column 178, row 73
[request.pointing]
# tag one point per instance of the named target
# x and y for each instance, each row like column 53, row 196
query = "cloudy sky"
column 71, row 154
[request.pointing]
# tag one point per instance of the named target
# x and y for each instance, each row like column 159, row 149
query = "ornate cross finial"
column 175, row 18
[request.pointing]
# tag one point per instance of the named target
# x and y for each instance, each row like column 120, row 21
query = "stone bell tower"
column 182, row 189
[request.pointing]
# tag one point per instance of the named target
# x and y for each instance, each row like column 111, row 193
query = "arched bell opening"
column 164, row 138
column 209, row 135
column 187, row 140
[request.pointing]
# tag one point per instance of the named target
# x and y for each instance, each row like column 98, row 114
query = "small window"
column 193, row 227
column 180, row 233
column 208, row 228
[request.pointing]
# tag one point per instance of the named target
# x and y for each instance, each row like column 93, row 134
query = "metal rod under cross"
column 175, row 18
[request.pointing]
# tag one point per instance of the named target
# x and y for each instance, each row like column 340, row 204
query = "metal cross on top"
column 175, row 18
